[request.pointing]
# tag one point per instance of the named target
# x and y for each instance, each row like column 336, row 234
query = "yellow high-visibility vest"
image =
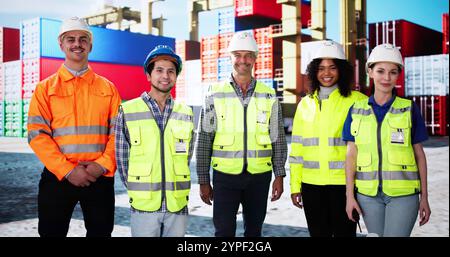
column 242, row 133
column 158, row 162
column 318, row 151
column 385, row 149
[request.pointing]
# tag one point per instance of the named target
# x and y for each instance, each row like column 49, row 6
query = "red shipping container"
column 445, row 31
column 270, row 52
column 412, row 39
column 409, row 38
column 262, row 8
column 188, row 49
column 10, row 42
column 129, row 80
column 224, row 41
column 306, row 14
column 434, row 112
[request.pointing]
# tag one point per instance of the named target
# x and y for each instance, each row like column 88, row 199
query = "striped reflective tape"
column 138, row 186
column 82, row 148
column 38, row 120
column 81, row 130
column 34, row 133
column 138, row 116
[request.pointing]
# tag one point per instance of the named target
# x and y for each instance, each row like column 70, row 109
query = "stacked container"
column 427, row 83
column 410, row 38
column 187, row 50
column 10, row 114
column 251, row 14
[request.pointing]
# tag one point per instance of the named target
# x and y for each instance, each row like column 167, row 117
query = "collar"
column 146, row 96
column 386, row 105
column 251, row 85
column 67, row 75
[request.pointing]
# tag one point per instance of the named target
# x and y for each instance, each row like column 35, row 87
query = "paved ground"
column 20, row 170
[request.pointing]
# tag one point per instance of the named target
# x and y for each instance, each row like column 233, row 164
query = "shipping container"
column 427, row 75
column 224, row 68
column 129, row 80
column 445, row 31
column 9, row 44
column 39, row 39
column 258, row 8
column 2, row 118
column 209, row 55
column 224, row 41
column 269, row 55
column 435, row 113
column 187, row 49
column 194, row 91
column 226, row 20
column 410, row 38
column 13, row 114
column 2, row 88
column 12, row 80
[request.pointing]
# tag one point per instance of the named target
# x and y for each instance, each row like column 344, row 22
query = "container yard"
column 287, row 32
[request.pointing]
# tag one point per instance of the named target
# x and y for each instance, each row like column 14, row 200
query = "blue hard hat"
column 161, row 50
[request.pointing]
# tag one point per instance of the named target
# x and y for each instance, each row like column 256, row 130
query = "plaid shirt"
column 206, row 133
column 123, row 142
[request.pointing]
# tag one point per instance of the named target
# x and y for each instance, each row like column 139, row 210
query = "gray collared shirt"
column 206, row 134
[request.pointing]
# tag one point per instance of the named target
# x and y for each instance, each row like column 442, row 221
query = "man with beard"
column 154, row 142
column 242, row 138
column 69, row 125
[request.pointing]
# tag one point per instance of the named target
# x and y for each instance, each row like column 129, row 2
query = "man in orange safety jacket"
column 70, row 130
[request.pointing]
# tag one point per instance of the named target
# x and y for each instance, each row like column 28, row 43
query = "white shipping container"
column 427, row 75
column 12, row 79
column 30, row 76
column 30, row 38
column 193, row 83
column 2, row 87
column 1, row 47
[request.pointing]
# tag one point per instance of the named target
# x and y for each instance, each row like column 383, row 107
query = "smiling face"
column 76, row 45
column 328, row 73
column 243, row 62
column 384, row 75
column 163, row 76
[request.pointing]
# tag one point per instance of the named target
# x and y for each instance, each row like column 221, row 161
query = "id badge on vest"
column 398, row 137
column 180, row 146
column 261, row 117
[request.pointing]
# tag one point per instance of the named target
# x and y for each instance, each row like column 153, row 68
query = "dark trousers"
column 231, row 190
column 57, row 200
column 325, row 211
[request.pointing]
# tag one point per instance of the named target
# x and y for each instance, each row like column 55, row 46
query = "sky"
column 427, row 13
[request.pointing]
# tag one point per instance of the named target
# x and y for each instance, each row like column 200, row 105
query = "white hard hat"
column 75, row 23
column 384, row 53
column 243, row 41
column 329, row 50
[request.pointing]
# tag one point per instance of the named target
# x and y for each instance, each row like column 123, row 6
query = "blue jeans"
column 149, row 224
column 389, row 216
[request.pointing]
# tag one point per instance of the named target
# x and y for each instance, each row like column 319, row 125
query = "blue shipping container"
column 223, row 68
column 226, row 20
column 111, row 46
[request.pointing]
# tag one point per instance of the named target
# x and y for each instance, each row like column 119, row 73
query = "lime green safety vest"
column 318, row 152
column 158, row 162
column 242, row 134
column 385, row 149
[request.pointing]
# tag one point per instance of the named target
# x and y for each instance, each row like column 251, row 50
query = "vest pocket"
column 223, row 140
column 399, row 133
column 181, row 141
column 135, row 141
column 401, row 158
column 363, row 160
column 360, row 131
column 263, row 139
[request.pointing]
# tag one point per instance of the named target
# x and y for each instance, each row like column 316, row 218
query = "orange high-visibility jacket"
column 71, row 119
